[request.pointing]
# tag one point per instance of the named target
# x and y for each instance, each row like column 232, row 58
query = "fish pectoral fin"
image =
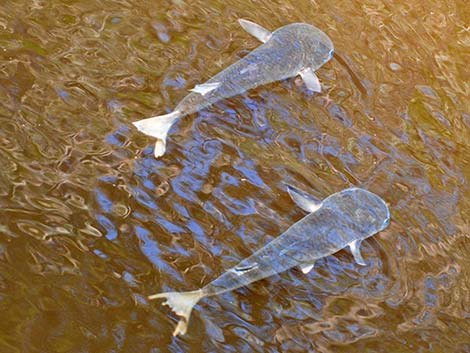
column 307, row 269
column 311, row 80
column 255, row 30
column 306, row 202
column 205, row 88
column 354, row 246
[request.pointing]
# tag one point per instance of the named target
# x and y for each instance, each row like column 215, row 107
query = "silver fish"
column 295, row 49
column 343, row 219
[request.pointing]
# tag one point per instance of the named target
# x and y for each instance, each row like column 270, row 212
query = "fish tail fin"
column 182, row 304
column 158, row 127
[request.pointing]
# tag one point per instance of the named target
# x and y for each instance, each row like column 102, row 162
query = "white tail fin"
column 158, row 127
column 182, row 304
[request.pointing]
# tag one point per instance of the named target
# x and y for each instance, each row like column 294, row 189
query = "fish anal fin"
column 354, row 246
column 310, row 79
column 205, row 88
column 306, row 269
column 306, row 202
column 255, row 30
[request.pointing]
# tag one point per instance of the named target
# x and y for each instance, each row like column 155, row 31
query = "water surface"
column 91, row 223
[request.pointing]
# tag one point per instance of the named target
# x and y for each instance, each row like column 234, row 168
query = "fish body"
column 289, row 50
column 343, row 219
column 295, row 49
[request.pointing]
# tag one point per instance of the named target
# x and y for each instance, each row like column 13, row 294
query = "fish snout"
column 386, row 223
column 331, row 53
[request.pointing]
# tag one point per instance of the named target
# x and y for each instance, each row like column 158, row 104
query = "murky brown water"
column 91, row 223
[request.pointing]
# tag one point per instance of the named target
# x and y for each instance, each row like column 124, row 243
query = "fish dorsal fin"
column 205, row 88
column 306, row 269
column 310, row 79
column 255, row 30
column 354, row 246
column 306, row 202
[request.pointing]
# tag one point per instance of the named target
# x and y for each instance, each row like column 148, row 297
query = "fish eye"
column 386, row 222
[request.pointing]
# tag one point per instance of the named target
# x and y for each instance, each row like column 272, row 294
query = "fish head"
column 317, row 48
column 366, row 211
column 386, row 222
column 313, row 46
column 371, row 207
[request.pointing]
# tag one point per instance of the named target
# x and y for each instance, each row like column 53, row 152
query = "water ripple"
column 91, row 223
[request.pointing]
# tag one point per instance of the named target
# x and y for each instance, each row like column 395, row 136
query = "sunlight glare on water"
column 91, row 223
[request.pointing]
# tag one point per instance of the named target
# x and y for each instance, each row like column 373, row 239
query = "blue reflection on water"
column 100, row 254
column 63, row 94
column 106, row 223
column 170, row 227
column 191, row 224
column 152, row 251
column 177, row 82
column 105, row 203
column 118, row 137
column 235, row 206
column 250, row 174
column 210, row 208
column 144, row 198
